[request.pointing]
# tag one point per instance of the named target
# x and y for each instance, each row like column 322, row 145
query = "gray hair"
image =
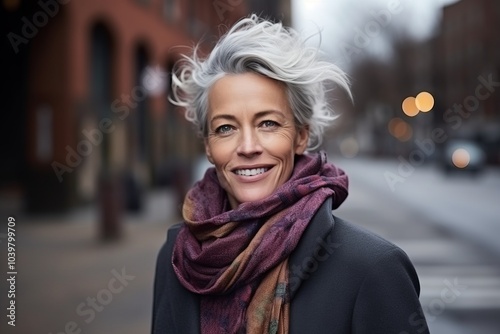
column 260, row 46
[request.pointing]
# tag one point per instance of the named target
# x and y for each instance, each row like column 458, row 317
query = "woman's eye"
column 269, row 124
column 224, row 129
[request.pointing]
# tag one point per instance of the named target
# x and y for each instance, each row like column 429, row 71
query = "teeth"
column 251, row 172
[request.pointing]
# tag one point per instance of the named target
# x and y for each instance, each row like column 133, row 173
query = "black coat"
column 343, row 279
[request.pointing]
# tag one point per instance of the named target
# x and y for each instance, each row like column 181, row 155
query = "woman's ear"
column 301, row 139
column 208, row 152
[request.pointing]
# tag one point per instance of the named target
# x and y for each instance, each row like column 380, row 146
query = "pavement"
column 70, row 281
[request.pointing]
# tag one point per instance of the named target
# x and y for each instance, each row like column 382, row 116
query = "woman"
column 259, row 250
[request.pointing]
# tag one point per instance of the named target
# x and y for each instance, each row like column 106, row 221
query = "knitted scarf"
column 237, row 259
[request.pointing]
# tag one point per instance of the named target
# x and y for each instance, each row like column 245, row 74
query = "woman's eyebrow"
column 269, row 112
column 223, row 116
column 257, row 115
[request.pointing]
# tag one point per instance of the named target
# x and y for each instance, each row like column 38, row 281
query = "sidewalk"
column 68, row 279
column 462, row 204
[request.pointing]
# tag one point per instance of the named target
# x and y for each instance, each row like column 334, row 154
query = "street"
column 68, row 280
column 448, row 226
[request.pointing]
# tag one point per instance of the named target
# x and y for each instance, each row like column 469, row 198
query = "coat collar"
column 314, row 247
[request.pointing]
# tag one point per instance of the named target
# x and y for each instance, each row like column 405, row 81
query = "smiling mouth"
column 251, row 172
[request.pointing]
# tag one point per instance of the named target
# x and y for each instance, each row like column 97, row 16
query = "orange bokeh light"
column 461, row 158
column 410, row 107
column 424, row 101
column 400, row 129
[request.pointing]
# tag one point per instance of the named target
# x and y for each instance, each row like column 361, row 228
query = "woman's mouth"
column 251, row 172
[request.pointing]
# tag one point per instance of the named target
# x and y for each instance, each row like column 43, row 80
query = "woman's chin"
column 251, row 197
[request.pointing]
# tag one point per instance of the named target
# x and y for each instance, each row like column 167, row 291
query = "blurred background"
column 96, row 161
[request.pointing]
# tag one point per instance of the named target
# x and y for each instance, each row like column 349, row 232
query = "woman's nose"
column 249, row 144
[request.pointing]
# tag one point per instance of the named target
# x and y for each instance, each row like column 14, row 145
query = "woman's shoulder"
column 362, row 246
column 165, row 252
column 368, row 256
column 173, row 231
column 344, row 249
column 370, row 277
column 344, row 238
column 356, row 236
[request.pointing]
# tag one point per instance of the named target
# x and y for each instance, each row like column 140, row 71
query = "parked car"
column 462, row 155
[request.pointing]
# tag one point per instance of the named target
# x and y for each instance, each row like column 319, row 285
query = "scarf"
column 237, row 259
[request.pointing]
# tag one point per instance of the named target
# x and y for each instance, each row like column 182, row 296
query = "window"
column 170, row 10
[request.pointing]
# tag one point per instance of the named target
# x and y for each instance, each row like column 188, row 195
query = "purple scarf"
column 237, row 259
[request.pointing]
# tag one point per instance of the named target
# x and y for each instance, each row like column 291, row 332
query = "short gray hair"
column 260, row 46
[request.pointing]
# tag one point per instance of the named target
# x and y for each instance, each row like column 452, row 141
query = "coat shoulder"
column 365, row 252
column 361, row 242
column 372, row 282
column 165, row 252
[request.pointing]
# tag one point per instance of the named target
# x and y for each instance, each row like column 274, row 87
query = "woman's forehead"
column 247, row 90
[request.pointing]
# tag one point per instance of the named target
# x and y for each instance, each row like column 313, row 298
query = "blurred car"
column 463, row 155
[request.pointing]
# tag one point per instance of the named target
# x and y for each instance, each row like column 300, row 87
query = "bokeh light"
column 400, row 129
column 424, row 101
column 11, row 5
column 460, row 158
column 409, row 107
column 349, row 147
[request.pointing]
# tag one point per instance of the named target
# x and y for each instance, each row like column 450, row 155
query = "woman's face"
column 252, row 137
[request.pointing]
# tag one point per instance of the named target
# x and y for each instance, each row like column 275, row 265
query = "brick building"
column 86, row 85
column 470, row 62
column 459, row 65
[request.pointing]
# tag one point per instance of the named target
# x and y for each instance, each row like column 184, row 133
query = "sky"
column 341, row 20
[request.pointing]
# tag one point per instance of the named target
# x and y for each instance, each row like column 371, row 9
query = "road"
column 448, row 227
